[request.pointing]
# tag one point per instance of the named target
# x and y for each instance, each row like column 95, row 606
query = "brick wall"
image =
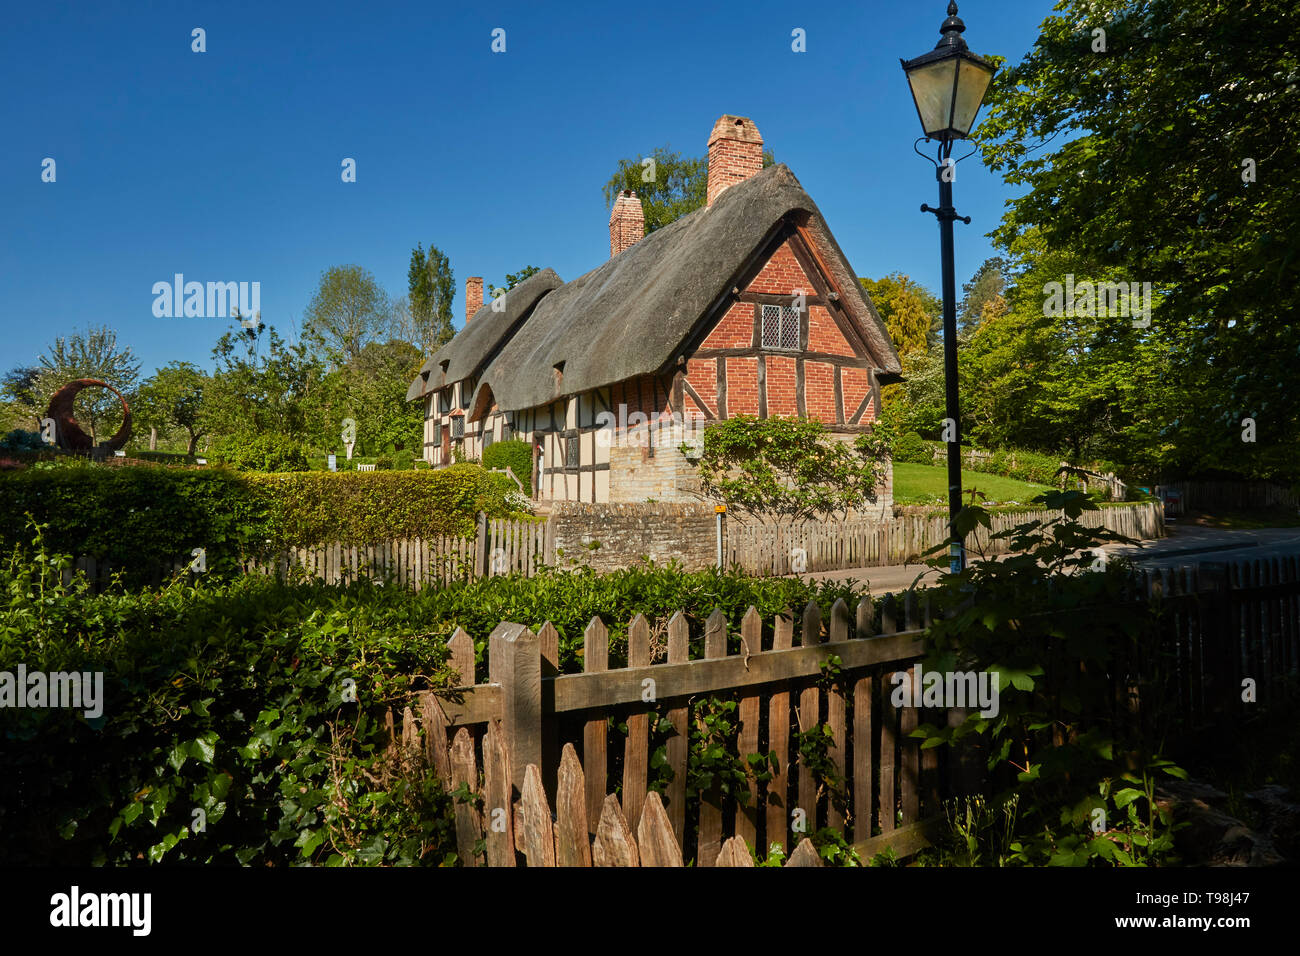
column 735, row 330
column 625, row 532
column 824, row 335
column 782, row 398
column 819, row 391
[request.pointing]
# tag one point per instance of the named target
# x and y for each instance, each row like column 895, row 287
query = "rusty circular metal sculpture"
column 68, row 434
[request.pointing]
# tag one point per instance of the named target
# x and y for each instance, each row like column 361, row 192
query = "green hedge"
column 227, row 696
column 517, row 455
column 132, row 518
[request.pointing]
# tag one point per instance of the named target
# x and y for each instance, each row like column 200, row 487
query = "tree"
column 513, row 279
column 431, row 285
column 1158, row 158
column 347, row 310
column 173, row 398
column 95, row 354
column 790, row 469
column 987, row 285
column 668, row 184
column 908, row 310
column 252, row 393
column 1085, row 384
column 372, row 392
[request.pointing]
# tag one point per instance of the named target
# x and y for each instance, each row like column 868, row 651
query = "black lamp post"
column 948, row 85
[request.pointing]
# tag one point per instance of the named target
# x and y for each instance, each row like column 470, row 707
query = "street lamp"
column 948, row 85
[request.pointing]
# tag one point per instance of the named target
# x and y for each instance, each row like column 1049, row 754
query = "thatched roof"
column 476, row 344
column 630, row 316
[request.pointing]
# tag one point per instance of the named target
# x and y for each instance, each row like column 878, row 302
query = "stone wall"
column 646, row 465
column 664, row 531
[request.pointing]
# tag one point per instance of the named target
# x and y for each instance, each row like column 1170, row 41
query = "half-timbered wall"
column 820, row 370
column 825, row 374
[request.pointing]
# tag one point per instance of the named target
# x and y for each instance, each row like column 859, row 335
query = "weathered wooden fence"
column 499, row 546
column 1234, row 495
column 797, row 679
column 521, row 546
column 833, row 546
column 884, row 791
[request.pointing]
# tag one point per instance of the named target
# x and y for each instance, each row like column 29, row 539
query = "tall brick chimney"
column 735, row 153
column 473, row 296
column 626, row 222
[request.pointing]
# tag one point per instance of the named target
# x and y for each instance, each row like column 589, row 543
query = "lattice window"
column 458, row 426
column 572, row 452
column 781, row 328
column 487, row 440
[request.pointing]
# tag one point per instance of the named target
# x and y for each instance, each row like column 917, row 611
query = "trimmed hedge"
column 133, row 518
column 517, row 455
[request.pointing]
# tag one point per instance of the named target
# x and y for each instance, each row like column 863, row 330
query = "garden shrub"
column 22, row 440
column 1054, row 629
column 911, row 447
column 132, row 518
column 515, row 454
column 229, row 700
column 229, row 697
column 264, row 452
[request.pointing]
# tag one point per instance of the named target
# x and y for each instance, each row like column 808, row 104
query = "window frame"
column 780, row 328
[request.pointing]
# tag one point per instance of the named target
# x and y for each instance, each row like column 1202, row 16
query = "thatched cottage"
column 745, row 306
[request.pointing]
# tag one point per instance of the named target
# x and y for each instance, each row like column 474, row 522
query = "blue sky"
column 225, row 165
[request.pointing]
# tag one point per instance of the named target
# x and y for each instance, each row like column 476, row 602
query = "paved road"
column 1186, row 544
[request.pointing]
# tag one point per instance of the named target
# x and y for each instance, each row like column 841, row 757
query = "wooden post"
column 751, row 634
column 678, row 653
column 515, row 662
column 710, row 831
column 481, row 568
column 777, row 828
column 636, row 752
column 595, row 659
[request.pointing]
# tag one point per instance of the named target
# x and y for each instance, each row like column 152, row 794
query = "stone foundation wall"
column 625, row 532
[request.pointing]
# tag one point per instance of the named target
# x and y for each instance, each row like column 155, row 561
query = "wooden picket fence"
column 499, row 546
column 834, row 546
column 524, row 725
column 888, row 793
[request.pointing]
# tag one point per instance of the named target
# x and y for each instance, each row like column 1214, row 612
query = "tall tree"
column 348, row 309
column 172, row 398
column 988, row 285
column 668, row 184
column 259, row 387
column 908, row 311
column 431, row 285
column 93, row 353
column 1144, row 135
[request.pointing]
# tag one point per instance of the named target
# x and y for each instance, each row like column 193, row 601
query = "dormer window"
column 781, row 328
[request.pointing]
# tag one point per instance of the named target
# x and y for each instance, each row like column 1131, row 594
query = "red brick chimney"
column 735, row 153
column 626, row 222
column 473, row 296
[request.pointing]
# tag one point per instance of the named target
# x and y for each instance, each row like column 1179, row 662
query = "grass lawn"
column 928, row 484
